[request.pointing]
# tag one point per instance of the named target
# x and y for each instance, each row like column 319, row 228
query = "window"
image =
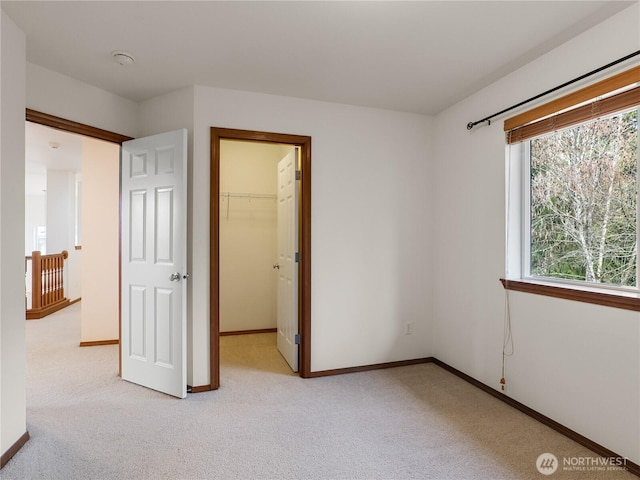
column 583, row 210
column 573, row 209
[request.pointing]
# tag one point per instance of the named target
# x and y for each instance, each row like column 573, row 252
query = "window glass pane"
column 583, row 187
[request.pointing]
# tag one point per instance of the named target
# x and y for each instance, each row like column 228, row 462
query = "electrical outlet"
column 407, row 328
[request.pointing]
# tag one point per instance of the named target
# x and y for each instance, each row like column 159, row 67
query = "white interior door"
column 287, row 305
column 153, row 242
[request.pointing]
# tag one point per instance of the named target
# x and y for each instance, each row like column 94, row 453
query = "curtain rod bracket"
column 470, row 125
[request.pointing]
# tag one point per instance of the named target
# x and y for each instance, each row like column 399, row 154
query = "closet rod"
column 249, row 195
column 470, row 125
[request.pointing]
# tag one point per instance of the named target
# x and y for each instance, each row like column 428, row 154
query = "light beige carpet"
column 417, row 422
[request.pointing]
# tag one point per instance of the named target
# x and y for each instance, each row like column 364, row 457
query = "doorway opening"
column 221, row 199
column 109, row 334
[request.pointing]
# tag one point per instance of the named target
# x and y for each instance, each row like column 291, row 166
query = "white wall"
column 73, row 271
column 371, row 224
column 60, row 210
column 576, row 363
column 35, row 216
column 371, row 209
column 12, row 308
column 61, row 226
column 100, row 243
column 248, row 235
column 57, row 94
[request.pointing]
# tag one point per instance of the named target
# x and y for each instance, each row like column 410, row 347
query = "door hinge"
column 298, row 174
column 296, row 339
column 297, row 259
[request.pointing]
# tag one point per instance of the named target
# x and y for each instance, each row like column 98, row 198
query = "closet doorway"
column 260, row 239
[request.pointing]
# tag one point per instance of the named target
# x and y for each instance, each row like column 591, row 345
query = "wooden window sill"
column 617, row 299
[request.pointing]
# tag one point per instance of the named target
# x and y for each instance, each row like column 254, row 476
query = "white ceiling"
column 416, row 56
column 42, row 157
column 419, row 56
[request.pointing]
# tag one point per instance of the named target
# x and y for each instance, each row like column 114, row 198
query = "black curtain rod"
column 470, row 125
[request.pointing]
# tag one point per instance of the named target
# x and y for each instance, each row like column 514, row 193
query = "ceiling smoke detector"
column 123, row 58
column 54, row 145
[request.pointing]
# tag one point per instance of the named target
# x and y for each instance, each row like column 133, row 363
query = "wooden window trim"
column 621, row 80
column 541, row 120
column 623, row 300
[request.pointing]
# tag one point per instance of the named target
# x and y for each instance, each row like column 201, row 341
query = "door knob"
column 276, row 266
column 175, row 277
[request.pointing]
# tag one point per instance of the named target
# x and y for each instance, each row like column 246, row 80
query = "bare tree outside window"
column 584, row 213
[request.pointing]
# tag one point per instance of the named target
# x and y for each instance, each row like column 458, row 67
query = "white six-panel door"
column 287, row 304
column 153, row 269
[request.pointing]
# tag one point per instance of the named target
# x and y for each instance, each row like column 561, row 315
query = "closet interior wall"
column 248, row 234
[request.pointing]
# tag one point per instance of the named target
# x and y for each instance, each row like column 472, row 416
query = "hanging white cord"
column 507, row 337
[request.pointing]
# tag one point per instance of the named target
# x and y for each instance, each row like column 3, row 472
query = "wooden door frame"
column 304, row 288
column 60, row 123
